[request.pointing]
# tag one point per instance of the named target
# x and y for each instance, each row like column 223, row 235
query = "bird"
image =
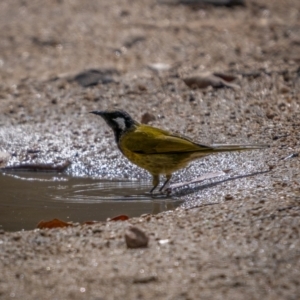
column 159, row 151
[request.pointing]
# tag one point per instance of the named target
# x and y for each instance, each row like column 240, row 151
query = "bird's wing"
column 150, row 140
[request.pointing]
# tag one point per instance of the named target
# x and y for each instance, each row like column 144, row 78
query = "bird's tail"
column 237, row 147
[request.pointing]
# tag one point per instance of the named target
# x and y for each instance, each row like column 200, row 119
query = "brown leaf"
column 55, row 223
column 119, row 218
column 136, row 238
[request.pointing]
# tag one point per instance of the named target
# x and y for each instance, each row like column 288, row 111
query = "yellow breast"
column 158, row 164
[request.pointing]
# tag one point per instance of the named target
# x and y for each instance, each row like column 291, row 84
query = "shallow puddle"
column 27, row 198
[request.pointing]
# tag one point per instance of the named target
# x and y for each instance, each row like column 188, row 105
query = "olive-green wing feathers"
column 149, row 140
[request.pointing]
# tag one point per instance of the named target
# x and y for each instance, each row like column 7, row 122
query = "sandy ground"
column 231, row 240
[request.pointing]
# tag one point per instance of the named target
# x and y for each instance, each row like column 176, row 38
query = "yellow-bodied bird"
column 158, row 151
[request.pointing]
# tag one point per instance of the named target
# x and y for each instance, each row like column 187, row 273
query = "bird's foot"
column 159, row 195
column 165, row 187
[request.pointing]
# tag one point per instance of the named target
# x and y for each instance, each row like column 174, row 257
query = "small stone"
column 202, row 81
column 147, row 117
column 284, row 89
column 94, row 76
column 228, row 197
column 4, row 158
column 142, row 88
column 159, row 67
column 271, row 115
column 132, row 40
column 145, row 215
column 145, row 279
column 16, row 237
column 164, row 242
column 225, row 76
column 271, row 167
column 192, row 98
column 136, row 238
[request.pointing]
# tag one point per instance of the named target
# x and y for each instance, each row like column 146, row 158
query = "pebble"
column 4, row 158
column 284, row 89
column 147, row 117
column 136, row 238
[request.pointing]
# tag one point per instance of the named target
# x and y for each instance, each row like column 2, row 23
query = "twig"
column 39, row 167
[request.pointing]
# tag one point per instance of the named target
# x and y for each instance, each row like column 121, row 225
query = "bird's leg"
column 166, row 183
column 155, row 182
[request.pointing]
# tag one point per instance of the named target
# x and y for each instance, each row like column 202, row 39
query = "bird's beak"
column 97, row 112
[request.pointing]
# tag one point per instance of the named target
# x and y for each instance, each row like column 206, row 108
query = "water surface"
column 26, row 198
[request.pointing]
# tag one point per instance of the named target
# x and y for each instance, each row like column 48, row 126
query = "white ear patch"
column 120, row 122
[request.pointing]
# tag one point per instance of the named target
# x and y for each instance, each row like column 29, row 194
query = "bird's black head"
column 119, row 121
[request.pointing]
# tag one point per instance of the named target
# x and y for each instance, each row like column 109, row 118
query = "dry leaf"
column 55, row 223
column 119, row 218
